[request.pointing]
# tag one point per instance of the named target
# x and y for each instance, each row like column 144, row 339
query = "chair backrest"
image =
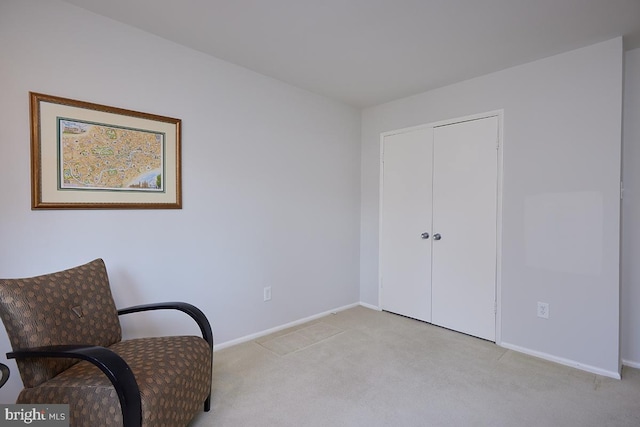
column 73, row 306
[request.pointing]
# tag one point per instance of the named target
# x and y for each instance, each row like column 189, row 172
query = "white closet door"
column 464, row 216
column 405, row 256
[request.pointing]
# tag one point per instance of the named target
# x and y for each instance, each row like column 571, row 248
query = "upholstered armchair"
column 66, row 338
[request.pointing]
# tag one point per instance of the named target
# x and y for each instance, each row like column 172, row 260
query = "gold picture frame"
column 91, row 156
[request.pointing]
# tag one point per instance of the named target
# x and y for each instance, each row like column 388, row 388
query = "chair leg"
column 207, row 403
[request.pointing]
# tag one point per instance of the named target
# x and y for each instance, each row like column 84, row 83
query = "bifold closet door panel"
column 464, row 216
column 405, row 252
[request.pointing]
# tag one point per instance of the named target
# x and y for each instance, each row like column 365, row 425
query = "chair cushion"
column 173, row 375
column 73, row 306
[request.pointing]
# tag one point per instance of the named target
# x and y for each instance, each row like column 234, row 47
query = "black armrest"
column 109, row 362
column 4, row 369
column 193, row 311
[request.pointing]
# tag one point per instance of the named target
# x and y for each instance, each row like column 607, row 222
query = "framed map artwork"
column 90, row 156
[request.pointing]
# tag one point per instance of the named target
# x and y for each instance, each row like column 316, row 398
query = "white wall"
column 561, row 208
column 270, row 179
column 630, row 286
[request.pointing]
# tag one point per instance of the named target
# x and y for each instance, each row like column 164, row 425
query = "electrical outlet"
column 543, row 310
column 267, row 293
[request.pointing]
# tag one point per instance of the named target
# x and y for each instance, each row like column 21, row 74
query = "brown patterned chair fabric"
column 76, row 307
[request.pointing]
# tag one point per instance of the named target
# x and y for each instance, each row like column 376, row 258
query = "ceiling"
column 367, row 52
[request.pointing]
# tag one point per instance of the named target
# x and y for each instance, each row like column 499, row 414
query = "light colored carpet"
column 361, row 367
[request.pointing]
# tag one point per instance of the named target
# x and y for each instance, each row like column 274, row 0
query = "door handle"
column 437, row 236
column 425, row 235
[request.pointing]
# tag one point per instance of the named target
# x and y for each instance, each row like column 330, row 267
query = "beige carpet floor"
column 361, row 367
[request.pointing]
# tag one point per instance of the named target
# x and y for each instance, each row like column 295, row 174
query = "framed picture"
column 90, row 156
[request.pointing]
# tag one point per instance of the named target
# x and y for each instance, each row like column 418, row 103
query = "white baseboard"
column 562, row 361
column 631, row 363
column 372, row 307
column 279, row 328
